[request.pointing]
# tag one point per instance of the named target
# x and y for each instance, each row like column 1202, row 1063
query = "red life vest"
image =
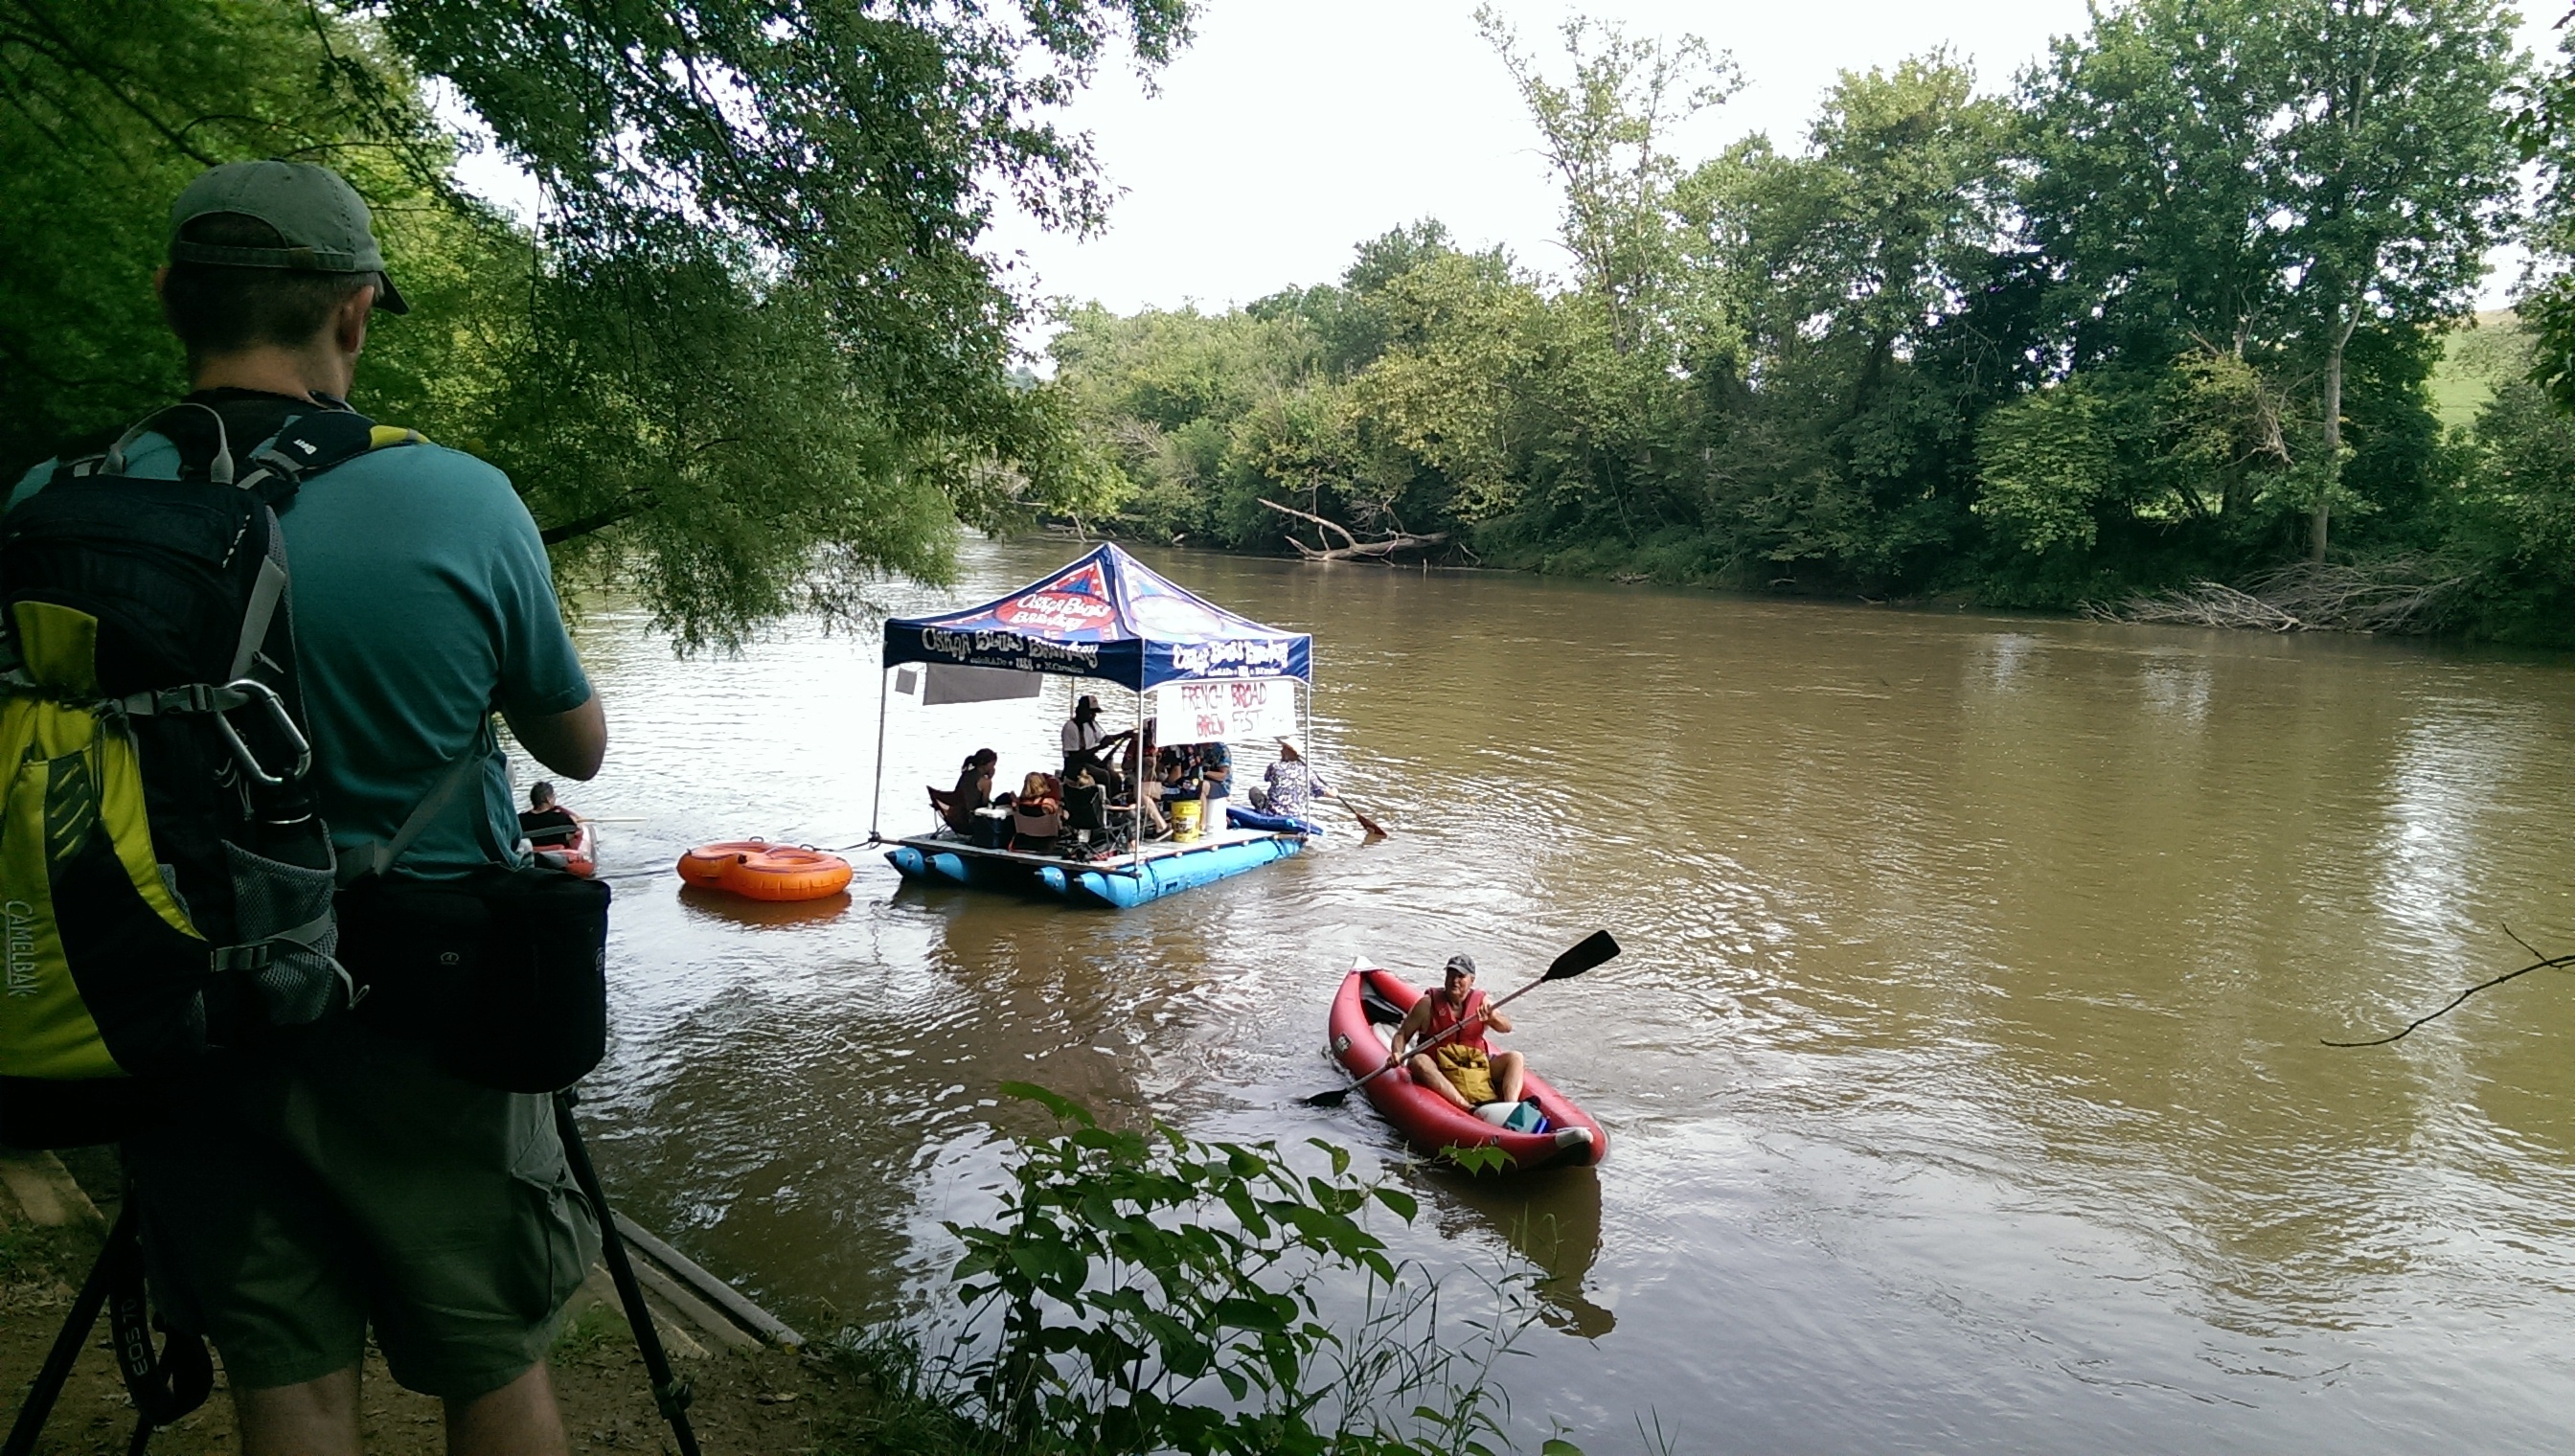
column 1443, row 1016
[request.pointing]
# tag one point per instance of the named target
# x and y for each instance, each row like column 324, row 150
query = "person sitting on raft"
column 1460, row 1066
column 1289, row 788
column 1175, row 775
column 1095, row 827
column 545, row 823
column 974, row 790
column 1215, row 779
column 1147, row 790
column 1036, row 818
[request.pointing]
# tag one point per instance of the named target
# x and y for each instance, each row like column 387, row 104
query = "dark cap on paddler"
column 1461, row 965
column 320, row 217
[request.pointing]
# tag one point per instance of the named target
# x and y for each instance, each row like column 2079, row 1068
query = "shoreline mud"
column 759, row 1385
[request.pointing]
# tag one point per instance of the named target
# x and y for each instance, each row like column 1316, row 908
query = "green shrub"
column 1145, row 1291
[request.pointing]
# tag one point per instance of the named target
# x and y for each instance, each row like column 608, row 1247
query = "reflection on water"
column 1963, row 1067
column 1550, row 1218
column 734, row 910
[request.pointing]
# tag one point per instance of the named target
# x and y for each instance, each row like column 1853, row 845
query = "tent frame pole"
column 1312, row 773
column 1135, row 842
column 875, row 800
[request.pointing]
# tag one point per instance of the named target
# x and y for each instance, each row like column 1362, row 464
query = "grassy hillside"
column 2472, row 359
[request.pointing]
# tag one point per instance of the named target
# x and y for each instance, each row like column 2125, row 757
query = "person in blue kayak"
column 1457, row 1065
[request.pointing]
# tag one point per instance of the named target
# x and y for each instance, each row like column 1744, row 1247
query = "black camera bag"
column 502, row 972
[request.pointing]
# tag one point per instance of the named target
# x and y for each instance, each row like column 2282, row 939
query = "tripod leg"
column 67, row 1345
column 670, row 1394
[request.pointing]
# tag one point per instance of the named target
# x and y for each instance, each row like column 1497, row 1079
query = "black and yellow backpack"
column 165, row 883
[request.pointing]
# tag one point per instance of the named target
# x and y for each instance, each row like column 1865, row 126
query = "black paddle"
column 1591, row 950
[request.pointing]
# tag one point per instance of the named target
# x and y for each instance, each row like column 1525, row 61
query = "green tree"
column 2269, row 182
column 750, row 358
column 2146, row 199
column 1163, row 394
column 1464, row 355
column 2396, row 171
column 1848, row 263
column 107, row 109
column 1606, row 133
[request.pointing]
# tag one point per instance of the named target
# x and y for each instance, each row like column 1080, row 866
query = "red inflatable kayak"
column 580, row 854
column 1432, row 1123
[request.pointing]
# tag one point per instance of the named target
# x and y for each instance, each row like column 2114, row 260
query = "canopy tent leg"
column 876, row 800
column 1143, row 770
column 1313, row 774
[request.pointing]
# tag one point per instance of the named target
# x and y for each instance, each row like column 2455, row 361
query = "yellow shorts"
column 1467, row 1069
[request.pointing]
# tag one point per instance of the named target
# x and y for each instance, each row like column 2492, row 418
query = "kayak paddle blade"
column 1592, row 950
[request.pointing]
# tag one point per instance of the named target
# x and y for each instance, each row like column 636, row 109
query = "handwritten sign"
column 1241, row 708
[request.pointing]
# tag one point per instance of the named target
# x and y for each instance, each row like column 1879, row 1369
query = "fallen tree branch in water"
column 2544, row 962
column 2400, row 597
column 1353, row 548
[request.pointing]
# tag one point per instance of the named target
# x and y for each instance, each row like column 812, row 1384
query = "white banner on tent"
column 1244, row 707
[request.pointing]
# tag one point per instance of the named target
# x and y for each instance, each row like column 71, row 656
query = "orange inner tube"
column 705, row 864
column 781, row 872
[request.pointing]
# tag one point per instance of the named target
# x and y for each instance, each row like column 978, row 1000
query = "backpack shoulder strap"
column 376, row 856
column 309, row 444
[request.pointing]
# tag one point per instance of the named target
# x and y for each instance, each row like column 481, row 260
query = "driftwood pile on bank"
column 2392, row 598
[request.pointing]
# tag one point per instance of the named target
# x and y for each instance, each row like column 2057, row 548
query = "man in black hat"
column 347, row 1182
column 1085, row 746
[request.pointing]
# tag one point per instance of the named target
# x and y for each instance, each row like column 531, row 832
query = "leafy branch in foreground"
column 750, row 354
column 1142, row 1291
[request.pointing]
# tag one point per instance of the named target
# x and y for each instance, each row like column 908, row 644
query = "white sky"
column 1286, row 133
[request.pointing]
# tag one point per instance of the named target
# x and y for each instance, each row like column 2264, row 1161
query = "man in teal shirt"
column 350, row 1183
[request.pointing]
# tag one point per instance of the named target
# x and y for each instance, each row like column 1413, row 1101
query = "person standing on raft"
column 1460, row 1067
column 1085, row 746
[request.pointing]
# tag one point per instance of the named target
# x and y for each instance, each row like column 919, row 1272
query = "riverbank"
column 2426, row 599
column 752, row 1395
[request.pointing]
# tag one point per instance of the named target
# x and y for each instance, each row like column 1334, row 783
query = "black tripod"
column 670, row 1394
column 173, row 1380
column 166, row 1383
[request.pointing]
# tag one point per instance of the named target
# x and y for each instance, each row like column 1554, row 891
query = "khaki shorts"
column 351, row 1183
column 1467, row 1069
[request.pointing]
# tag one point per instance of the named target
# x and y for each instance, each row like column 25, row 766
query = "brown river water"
column 1963, row 1071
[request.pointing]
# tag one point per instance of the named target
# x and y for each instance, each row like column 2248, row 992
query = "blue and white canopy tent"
column 1206, row 673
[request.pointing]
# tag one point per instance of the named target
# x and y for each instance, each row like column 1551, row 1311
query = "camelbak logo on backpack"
column 165, row 883
column 20, row 948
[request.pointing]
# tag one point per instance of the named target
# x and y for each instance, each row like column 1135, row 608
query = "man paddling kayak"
column 1460, row 1066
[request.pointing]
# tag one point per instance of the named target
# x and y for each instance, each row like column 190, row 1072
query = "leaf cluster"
column 1155, row 1292
column 749, row 356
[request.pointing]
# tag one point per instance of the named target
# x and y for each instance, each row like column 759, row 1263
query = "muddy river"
column 1964, row 1069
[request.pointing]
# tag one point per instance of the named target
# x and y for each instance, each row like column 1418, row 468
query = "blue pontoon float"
column 1206, row 673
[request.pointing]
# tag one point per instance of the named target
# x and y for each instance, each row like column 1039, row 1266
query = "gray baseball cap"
column 322, row 219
